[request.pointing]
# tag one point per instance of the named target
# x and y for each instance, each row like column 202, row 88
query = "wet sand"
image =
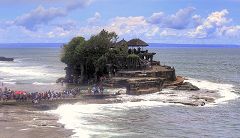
column 27, row 122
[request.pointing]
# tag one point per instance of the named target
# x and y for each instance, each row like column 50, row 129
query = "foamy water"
column 31, row 66
column 83, row 118
column 226, row 91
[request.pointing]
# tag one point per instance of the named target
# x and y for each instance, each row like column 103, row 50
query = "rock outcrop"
column 186, row 86
column 60, row 80
column 6, row 59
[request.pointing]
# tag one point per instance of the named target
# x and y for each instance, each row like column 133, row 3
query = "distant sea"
column 215, row 67
column 36, row 67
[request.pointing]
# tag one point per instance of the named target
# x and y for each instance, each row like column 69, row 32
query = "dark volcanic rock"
column 207, row 99
column 187, row 86
column 60, row 80
column 194, row 103
column 42, row 107
column 6, row 59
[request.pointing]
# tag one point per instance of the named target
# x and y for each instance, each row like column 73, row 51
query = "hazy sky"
column 164, row 21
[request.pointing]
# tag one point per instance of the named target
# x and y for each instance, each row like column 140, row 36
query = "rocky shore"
column 6, row 59
column 186, row 86
column 24, row 119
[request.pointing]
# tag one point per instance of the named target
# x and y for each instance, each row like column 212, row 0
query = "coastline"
column 27, row 122
column 36, row 120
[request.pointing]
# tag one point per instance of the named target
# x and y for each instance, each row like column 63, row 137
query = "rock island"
column 104, row 60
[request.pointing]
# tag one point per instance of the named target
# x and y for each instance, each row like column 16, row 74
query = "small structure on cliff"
column 121, row 63
column 143, row 75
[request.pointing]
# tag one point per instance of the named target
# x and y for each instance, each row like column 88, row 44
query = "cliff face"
column 6, row 59
column 143, row 81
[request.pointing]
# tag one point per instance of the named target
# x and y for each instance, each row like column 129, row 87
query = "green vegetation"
column 93, row 58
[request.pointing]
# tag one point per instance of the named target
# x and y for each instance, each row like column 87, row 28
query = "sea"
column 213, row 67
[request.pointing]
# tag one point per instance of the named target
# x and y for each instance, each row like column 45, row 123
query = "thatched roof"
column 122, row 42
column 136, row 42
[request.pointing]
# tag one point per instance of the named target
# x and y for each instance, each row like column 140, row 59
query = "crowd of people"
column 35, row 97
column 97, row 89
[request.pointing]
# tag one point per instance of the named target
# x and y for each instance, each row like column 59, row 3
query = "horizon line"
column 221, row 44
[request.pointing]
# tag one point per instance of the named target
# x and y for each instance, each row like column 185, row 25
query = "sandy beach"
column 27, row 122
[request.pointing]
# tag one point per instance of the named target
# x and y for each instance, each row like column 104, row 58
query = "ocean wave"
column 41, row 83
column 80, row 125
column 3, row 63
column 226, row 91
column 21, row 59
column 34, row 71
column 80, row 114
column 9, row 82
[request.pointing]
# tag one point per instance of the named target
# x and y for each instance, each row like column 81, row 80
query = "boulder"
column 6, row 59
column 60, row 80
column 187, row 86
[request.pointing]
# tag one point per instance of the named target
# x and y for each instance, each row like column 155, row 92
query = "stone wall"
column 169, row 75
column 145, row 86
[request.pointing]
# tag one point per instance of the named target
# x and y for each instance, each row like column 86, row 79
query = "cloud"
column 231, row 31
column 38, row 16
column 44, row 34
column 168, row 32
column 128, row 25
column 197, row 20
column 75, row 4
column 58, row 32
column 157, row 18
column 42, row 15
column 94, row 19
column 70, row 3
column 153, row 31
column 124, row 26
column 180, row 20
column 157, row 28
column 211, row 25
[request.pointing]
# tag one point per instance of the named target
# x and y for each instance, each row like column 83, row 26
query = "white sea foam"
column 9, row 82
column 23, row 71
column 20, row 60
column 77, row 116
column 40, row 83
column 74, row 116
column 226, row 91
column 28, row 73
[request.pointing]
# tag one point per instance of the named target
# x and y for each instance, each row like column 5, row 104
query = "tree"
column 96, row 48
column 89, row 59
column 70, row 57
column 68, row 54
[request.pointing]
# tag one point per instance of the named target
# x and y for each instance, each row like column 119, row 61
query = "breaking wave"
column 226, row 91
column 40, row 83
column 25, row 71
column 78, row 117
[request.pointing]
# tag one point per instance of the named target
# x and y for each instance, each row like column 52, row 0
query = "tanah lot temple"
column 140, row 73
